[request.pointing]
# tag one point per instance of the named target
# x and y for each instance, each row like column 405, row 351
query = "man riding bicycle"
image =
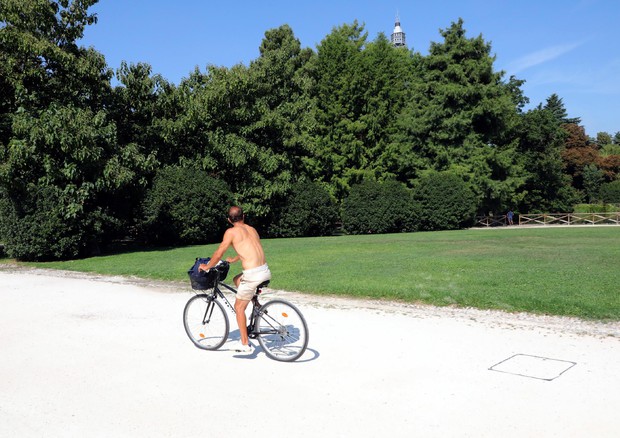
column 246, row 243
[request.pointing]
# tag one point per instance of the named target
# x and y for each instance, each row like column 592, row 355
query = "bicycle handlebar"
column 222, row 263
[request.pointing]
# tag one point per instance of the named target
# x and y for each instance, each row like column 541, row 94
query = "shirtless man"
column 246, row 243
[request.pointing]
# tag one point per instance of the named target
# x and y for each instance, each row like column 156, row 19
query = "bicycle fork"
column 208, row 312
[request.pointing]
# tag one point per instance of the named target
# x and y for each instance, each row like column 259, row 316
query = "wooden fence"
column 552, row 219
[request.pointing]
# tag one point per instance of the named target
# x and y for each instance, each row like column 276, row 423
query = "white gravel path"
column 91, row 356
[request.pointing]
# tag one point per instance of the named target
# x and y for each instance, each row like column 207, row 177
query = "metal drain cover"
column 535, row 367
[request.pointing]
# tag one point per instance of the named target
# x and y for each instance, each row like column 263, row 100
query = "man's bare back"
column 246, row 243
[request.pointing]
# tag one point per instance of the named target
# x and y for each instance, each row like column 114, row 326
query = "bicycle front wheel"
column 206, row 322
column 282, row 331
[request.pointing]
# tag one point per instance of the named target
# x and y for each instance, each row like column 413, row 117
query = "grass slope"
column 562, row 271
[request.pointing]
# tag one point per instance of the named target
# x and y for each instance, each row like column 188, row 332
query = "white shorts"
column 250, row 279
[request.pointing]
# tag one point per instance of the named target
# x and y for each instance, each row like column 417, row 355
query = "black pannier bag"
column 206, row 280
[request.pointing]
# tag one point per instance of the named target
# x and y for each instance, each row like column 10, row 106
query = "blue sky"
column 567, row 47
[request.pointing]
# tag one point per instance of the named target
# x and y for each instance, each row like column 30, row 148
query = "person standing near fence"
column 509, row 217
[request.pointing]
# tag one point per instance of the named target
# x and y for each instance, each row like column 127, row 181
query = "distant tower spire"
column 398, row 36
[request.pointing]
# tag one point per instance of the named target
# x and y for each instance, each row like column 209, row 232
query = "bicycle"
column 279, row 326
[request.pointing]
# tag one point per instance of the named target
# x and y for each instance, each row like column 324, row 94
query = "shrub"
column 610, row 192
column 374, row 208
column 309, row 210
column 185, row 206
column 594, row 208
column 443, row 201
column 58, row 165
column 35, row 227
column 563, row 203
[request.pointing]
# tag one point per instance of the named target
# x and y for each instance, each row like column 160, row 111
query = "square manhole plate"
column 535, row 367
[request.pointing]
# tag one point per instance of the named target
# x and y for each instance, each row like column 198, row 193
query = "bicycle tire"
column 206, row 322
column 282, row 331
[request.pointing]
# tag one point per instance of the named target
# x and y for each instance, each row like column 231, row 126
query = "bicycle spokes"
column 282, row 331
column 205, row 322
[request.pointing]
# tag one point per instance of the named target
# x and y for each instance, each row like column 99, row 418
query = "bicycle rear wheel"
column 206, row 322
column 282, row 331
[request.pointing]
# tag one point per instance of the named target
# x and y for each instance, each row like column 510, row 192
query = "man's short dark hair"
column 235, row 214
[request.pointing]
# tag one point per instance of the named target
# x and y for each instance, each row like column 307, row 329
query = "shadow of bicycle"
column 235, row 336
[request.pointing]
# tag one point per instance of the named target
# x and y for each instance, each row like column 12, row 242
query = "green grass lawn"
column 561, row 271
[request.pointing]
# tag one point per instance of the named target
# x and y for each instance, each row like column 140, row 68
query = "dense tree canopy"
column 355, row 124
column 59, row 152
column 461, row 116
column 547, row 187
column 361, row 87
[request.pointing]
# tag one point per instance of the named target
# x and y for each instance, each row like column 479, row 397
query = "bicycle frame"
column 256, row 306
column 279, row 326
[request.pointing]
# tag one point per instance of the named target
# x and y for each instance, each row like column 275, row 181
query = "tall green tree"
column 541, row 141
column 361, row 88
column 248, row 125
column 385, row 78
column 140, row 106
column 57, row 166
column 339, row 102
column 555, row 105
column 59, row 157
column 283, row 116
column 138, row 103
column 41, row 60
column 462, row 116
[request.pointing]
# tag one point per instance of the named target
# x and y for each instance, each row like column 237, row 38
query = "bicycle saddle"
column 260, row 287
